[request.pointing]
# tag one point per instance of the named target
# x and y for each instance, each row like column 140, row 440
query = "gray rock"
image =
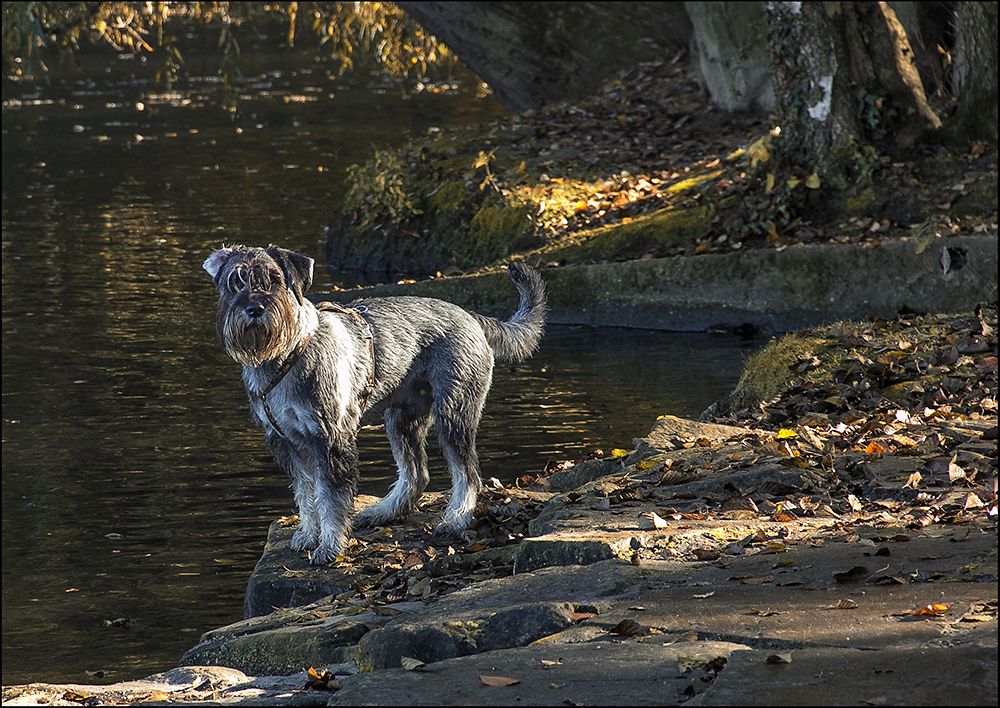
column 429, row 641
column 280, row 651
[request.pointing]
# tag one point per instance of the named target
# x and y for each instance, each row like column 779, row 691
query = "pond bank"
column 769, row 289
column 836, row 542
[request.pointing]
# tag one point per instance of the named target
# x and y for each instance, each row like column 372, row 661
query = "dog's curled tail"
column 517, row 338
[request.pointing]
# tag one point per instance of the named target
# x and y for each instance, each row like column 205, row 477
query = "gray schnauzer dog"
column 313, row 373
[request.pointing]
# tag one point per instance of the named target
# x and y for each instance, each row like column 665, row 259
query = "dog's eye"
column 237, row 280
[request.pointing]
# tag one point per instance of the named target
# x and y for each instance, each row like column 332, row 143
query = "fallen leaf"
column 888, row 579
column 323, row 680
column 706, row 554
column 411, row 664
column 498, row 680
column 758, row 581
column 700, row 662
column 763, row 613
column 784, row 658
column 854, row 575
column 930, row 610
column 702, row 597
column 972, row 501
column 913, row 481
column 630, row 628
column 651, row 520
column 75, row 697
column 847, row 604
column 955, row 472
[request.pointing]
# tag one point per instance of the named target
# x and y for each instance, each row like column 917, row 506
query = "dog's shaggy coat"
column 312, row 379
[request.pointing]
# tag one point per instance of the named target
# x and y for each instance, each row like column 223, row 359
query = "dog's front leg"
column 300, row 471
column 335, row 486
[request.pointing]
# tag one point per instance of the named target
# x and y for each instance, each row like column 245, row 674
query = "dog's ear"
column 213, row 264
column 297, row 268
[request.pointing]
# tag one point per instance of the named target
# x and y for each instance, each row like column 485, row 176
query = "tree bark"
column 975, row 72
column 844, row 77
column 729, row 55
column 534, row 53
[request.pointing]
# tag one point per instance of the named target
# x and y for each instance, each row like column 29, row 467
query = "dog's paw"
column 302, row 540
column 323, row 555
column 376, row 515
column 447, row 533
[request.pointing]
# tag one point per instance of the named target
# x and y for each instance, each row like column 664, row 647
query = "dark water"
column 135, row 495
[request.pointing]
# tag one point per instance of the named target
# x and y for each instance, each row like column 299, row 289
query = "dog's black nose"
column 253, row 310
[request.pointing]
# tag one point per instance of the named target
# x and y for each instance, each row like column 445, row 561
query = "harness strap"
column 300, row 349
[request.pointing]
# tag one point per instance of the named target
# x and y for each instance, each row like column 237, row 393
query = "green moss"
column 644, row 234
column 448, row 197
column 859, row 204
column 769, row 371
column 497, row 231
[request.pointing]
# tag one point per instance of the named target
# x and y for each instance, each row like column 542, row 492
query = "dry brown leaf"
column 630, row 628
column 972, row 501
column 498, row 680
column 854, row 575
column 651, row 520
column 847, row 604
column 757, row 581
column 955, row 473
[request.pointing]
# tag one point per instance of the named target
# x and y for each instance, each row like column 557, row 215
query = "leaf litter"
column 897, row 384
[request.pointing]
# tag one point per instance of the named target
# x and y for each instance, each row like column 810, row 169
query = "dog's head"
column 261, row 291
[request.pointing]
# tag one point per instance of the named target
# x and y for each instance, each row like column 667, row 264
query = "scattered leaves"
column 323, row 680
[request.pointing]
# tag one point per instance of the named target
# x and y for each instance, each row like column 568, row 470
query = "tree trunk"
column 534, row 53
column 729, row 55
column 975, row 72
column 844, row 77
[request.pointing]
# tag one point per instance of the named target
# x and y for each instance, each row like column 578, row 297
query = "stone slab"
column 802, row 285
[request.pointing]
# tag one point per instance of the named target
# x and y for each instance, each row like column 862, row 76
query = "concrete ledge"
column 800, row 286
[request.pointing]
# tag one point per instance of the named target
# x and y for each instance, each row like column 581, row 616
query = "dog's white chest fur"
column 301, row 416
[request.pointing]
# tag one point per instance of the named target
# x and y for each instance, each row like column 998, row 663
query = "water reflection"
column 135, row 494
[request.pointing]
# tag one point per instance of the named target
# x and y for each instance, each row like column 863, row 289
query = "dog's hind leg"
column 407, row 433
column 456, row 428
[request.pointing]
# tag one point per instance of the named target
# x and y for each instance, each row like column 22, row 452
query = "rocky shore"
column 833, row 543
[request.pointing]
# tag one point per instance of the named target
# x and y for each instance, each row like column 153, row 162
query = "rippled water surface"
column 136, row 497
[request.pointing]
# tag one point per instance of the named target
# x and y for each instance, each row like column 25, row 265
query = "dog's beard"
column 252, row 341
